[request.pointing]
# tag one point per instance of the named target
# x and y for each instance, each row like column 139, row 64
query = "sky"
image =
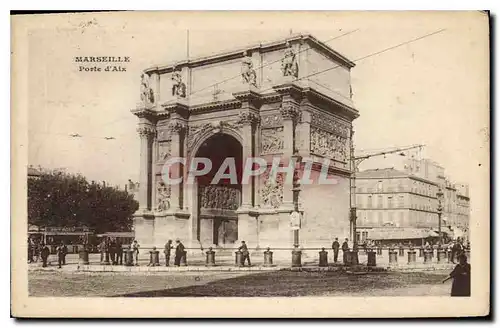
column 433, row 91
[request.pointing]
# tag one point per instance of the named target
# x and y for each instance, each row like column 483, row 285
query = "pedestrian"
column 102, row 249
column 30, row 250
column 64, row 253
column 166, row 251
column 44, row 254
column 60, row 255
column 135, row 248
column 335, row 247
column 119, row 252
column 345, row 249
column 461, row 277
column 456, row 250
column 112, row 250
column 179, row 252
column 245, row 255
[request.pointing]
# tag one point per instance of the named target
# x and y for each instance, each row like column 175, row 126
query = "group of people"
column 39, row 250
column 113, row 247
column 336, row 247
column 179, row 252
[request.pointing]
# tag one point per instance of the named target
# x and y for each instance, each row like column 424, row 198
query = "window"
column 379, row 185
column 389, row 201
column 380, row 218
column 357, row 236
column 364, row 235
column 380, row 201
column 401, row 201
column 370, row 204
column 402, row 217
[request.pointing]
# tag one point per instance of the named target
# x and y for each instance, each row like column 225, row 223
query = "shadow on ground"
column 286, row 284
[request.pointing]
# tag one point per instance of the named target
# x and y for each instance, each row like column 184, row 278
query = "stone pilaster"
column 177, row 129
column 146, row 133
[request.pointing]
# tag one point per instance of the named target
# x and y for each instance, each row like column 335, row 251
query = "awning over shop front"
column 400, row 233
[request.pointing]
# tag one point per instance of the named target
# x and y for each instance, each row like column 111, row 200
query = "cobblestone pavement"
column 240, row 284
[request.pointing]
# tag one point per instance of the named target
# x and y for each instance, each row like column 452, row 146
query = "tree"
column 61, row 199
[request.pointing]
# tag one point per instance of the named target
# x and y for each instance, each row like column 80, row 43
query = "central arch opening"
column 217, row 203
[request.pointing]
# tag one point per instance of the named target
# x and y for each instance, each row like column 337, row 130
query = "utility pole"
column 354, row 166
column 440, row 195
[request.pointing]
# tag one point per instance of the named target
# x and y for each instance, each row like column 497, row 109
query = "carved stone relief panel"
column 219, row 197
column 162, row 196
column 272, row 141
column 196, row 131
column 330, row 124
column 271, row 121
column 272, row 191
column 163, row 150
column 329, row 145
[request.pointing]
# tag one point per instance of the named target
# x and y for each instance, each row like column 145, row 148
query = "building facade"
column 402, row 205
column 267, row 100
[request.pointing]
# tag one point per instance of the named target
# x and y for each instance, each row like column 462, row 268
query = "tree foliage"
column 59, row 199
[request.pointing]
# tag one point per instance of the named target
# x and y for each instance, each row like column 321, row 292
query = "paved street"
column 243, row 284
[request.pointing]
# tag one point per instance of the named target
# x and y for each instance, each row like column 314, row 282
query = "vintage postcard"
column 250, row 164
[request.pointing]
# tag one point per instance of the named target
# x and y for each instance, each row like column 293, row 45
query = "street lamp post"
column 296, row 253
column 439, row 195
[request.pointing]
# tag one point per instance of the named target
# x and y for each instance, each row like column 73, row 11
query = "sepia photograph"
column 213, row 161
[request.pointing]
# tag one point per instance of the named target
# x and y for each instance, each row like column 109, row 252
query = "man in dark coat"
column 60, row 254
column 335, row 247
column 44, row 254
column 166, row 251
column 179, row 252
column 64, row 253
column 461, row 277
column 245, row 254
column 345, row 249
column 112, row 251
column 119, row 252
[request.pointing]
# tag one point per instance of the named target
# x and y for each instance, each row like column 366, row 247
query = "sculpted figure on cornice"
column 272, row 140
column 272, row 191
column 219, row 197
column 329, row 145
column 330, row 124
column 162, row 196
column 147, row 94
column 178, row 87
column 247, row 71
column 289, row 65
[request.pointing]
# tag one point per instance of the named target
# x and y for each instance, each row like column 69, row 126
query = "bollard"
column 401, row 251
column 323, row 258
column 354, row 258
column 441, row 255
column 184, row 259
column 84, row 256
column 210, row 261
column 268, row 258
column 129, row 257
column 421, row 251
column 237, row 259
column 296, row 258
column 428, row 256
column 412, row 257
column 372, row 258
column 154, row 257
column 393, row 256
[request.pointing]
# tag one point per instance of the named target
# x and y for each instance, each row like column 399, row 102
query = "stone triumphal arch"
column 266, row 100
